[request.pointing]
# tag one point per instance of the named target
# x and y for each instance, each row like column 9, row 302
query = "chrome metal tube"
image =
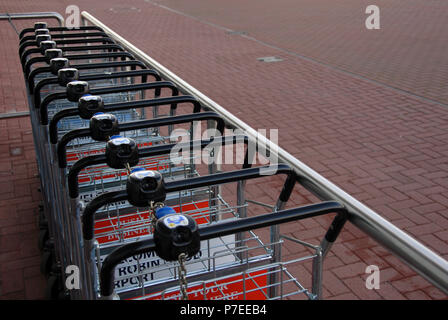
column 33, row 15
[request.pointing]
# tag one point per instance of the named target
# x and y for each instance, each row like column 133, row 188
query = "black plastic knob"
column 144, row 186
column 67, row 75
column 41, row 31
column 42, row 37
column 175, row 234
column 121, row 151
column 40, row 25
column 89, row 105
column 58, row 63
column 103, row 126
column 76, row 89
column 50, row 51
column 47, row 45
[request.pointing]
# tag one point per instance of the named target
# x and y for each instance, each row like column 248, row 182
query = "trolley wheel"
column 44, row 236
column 55, row 289
column 47, row 262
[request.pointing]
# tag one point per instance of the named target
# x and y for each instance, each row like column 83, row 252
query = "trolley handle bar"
column 66, row 35
column 88, row 215
column 121, row 55
column 221, row 229
column 144, row 73
column 108, row 47
column 100, row 91
column 137, row 125
column 103, row 40
column 100, row 65
column 27, row 30
column 73, row 186
column 173, row 101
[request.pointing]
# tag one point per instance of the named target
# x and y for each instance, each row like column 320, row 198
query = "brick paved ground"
column 384, row 146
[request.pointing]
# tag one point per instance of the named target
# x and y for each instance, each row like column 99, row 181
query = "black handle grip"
column 219, row 229
column 159, row 150
column 103, row 47
column 137, row 125
column 173, row 101
column 88, row 214
column 34, row 43
column 144, row 73
column 66, row 36
column 75, row 57
column 100, row 91
column 100, row 65
column 57, row 29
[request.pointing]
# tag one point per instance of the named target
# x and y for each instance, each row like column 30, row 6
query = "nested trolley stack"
column 126, row 206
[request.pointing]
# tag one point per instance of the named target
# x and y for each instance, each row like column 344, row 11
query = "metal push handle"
column 112, row 55
column 157, row 85
column 136, row 125
column 101, row 65
column 59, row 29
column 104, row 47
column 221, row 229
column 150, row 152
column 103, row 40
column 88, row 216
column 65, row 36
column 173, row 101
column 144, row 73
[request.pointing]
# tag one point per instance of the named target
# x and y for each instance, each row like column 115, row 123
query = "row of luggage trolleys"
column 124, row 211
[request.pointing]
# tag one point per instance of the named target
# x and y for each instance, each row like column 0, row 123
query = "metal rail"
column 33, row 15
column 421, row 259
column 23, row 16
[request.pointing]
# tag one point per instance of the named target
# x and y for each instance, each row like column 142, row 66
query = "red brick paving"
column 408, row 52
column 385, row 147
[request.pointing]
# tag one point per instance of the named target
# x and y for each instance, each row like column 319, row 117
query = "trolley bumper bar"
column 136, row 125
column 58, row 29
column 150, row 152
column 112, row 55
column 105, row 47
column 173, row 101
column 144, row 73
column 101, row 65
column 417, row 256
column 221, row 229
